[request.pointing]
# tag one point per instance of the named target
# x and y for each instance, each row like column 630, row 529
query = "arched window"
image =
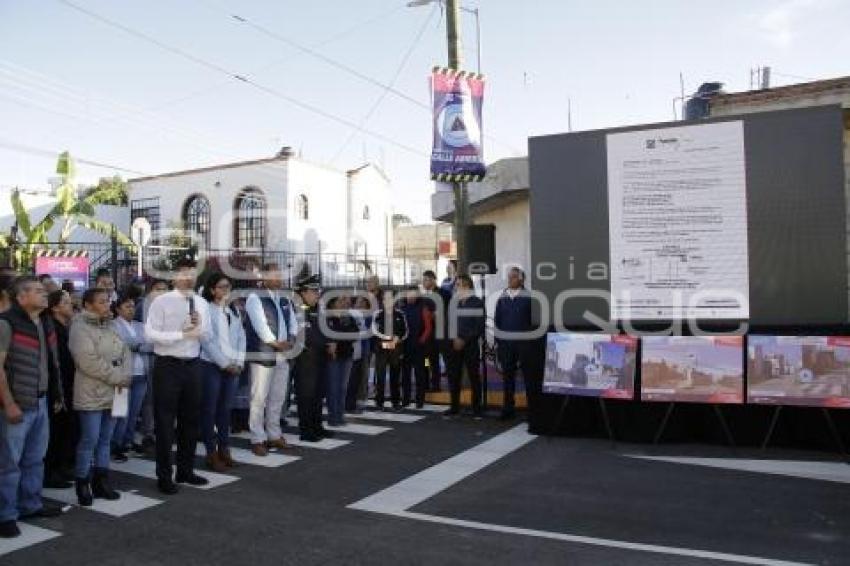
column 196, row 218
column 249, row 226
column 366, row 212
column 302, row 207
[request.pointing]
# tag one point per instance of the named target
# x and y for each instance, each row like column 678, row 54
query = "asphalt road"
column 298, row 513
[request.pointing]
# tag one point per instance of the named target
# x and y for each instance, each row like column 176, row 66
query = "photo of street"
column 590, row 364
column 798, row 370
column 692, row 369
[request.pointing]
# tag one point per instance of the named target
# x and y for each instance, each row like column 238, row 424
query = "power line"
column 324, row 58
column 386, row 91
column 336, row 37
column 54, row 154
column 342, row 66
column 236, row 76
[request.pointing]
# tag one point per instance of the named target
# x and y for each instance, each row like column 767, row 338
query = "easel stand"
column 603, row 409
column 721, row 418
column 830, row 423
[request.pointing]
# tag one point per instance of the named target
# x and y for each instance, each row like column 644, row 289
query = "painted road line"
column 397, row 499
column 826, row 471
column 30, row 535
column 294, row 440
column 147, row 469
column 242, row 456
column 428, row 483
column 128, row 504
column 358, row 428
column 371, row 413
column 426, row 408
column 607, row 543
column 388, row 416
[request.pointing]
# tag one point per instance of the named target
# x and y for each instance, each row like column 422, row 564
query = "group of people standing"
column 78, row 389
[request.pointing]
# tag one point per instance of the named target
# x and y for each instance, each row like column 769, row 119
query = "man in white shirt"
column 177, row 322
column 270, row 333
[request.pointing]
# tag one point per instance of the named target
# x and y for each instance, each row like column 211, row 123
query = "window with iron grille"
column 196, row 218
column 250, row 219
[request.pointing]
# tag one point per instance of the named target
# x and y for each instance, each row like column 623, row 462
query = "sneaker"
column 259, row 449
column 192, row 479
column 119, row 455
column 9, row 529
column 139, row 449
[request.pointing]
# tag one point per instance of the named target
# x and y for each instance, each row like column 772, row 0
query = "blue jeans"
column 219, row 390
column 336, row 373
column 95, row 433
column 22, row 450
column 125, row 428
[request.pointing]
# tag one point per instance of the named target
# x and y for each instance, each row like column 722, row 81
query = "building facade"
column 278, row 204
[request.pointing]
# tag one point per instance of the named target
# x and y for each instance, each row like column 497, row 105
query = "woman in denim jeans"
column 222, row 362
column 103, row 364
column 340, row 349
column 132, row 332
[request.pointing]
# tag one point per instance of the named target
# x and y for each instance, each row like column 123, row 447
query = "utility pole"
column 461, row 196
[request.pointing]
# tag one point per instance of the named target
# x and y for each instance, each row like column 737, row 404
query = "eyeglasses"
column 224, row 286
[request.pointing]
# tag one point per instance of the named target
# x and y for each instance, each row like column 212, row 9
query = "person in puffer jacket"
column 103, row 363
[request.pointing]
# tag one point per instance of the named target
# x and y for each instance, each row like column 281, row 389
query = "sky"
column 70, row 81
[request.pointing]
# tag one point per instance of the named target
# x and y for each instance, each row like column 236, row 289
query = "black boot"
column 84, row 496
column 100, row 485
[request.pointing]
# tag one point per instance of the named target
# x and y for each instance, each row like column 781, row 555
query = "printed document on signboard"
column 678, row 223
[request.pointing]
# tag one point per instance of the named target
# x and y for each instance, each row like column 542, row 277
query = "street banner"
column 65, row 267
column 457, row 154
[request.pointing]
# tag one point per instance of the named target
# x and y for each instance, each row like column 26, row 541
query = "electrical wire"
column 327, row 41
column 19, row 148
column 238, row 77
column 377, row 104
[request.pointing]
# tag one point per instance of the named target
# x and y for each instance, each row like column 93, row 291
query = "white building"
column 501, row 199
column 278, row 204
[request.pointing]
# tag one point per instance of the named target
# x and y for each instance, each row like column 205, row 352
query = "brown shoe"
column 215, row 463
column 279, row 443
column 224, row 455
column 259, row 450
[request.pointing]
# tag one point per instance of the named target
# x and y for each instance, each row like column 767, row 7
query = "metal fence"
column 336, row 269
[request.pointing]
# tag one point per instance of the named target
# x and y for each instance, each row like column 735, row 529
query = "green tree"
column 70, row 212
column 109, row 190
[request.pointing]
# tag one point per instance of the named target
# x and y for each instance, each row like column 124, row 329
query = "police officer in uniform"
column 310, row 364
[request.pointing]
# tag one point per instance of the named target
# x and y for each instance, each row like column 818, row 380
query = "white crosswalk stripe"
column 357, row 428
column 243, row 456
column 294, row 440
column 375, row 416
column 147, row 469
column 129, row 502
column 30, row 535
column 387, row 416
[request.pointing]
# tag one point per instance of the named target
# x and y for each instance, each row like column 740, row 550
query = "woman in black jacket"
column 61, row 449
